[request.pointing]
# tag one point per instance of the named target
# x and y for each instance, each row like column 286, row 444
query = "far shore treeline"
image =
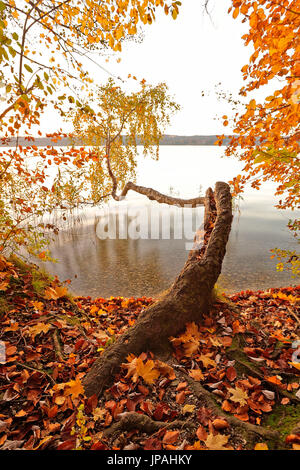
column 166, row 140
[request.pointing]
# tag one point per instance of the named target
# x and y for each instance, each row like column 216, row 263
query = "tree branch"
column 154, row 195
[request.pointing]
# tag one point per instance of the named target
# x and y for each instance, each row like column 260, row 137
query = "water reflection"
column 148, row 266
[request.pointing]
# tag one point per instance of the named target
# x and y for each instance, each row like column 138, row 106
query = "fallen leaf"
column 216, row 442
column 74, row 388
column 39, row 328
column 196, row 374
column 219, row 423
column 188, row 409
column 261, row 446
column 207, row 361
column 238, row 395
column 170, row 437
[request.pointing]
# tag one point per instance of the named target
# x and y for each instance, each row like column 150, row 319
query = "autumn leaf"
column 238, row 395
column 196, row 374
column 231, row 373
column 59, row 400
column 37, row 305
column 136, row 368
column 170, row 437
column 216, row 442
column 54, row 293
column 190, row 339
column 165, row 369
column 219, row 423
column 296, row 365
column 188, row 409
column 20, row 414
column 131, row 367
column 73, row 388
column 147, row 371
column 206, row 360
column 275, row 379
column 99, row 413
column 4, row 285
column 261, row 446
column 201, row 433
column 39, row 328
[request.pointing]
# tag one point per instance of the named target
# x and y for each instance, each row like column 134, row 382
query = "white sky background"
column 191, row 54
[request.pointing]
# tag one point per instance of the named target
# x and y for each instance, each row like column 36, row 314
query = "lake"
column 140, row 265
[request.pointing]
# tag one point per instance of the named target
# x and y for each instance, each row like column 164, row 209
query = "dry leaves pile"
column 52, row 340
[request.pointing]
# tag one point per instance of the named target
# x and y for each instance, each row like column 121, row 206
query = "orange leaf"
column 261, row 446
column 170, row 437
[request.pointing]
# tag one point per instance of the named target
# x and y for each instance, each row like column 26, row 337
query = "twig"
column 36, row 370
column 294, row 315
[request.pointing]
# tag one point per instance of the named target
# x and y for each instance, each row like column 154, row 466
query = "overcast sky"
column 191, row 54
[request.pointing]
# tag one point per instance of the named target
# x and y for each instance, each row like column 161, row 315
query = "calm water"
column 136, row 267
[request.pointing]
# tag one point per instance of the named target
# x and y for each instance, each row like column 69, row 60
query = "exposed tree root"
column 247, row 431
column 132, row 420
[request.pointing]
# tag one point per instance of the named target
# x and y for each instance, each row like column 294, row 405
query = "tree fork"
column 185, row 301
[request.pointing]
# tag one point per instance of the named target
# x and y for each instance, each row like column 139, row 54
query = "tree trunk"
column 185, row 301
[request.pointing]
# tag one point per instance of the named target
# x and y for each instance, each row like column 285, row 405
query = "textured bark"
column 185, row 301
column 132, row 420
column 154, row 195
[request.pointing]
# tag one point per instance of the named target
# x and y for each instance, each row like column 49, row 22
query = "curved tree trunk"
column 185, row 301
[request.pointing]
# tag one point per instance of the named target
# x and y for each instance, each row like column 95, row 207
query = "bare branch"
column 154, row 195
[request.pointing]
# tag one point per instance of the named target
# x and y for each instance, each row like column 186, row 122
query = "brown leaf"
column 216, row 442
column 219, row 424
column 231, row 373
column 170, row 437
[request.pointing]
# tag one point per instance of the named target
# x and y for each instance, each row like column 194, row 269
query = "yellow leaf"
column 295, row 364
column 136, row 368
column 38, row 328
column 94, row 309
column 147, row 371
column 4, row 285
column 74, row 388
column 261, row 446
column 196, row 374
column 188, row 409
column 38, row 305
column 54, row 293
column 216, row 442
column 238, row 395
column 99, row 413
column 207, row 361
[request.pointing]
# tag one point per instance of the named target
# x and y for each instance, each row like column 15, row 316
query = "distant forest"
column 167, row 140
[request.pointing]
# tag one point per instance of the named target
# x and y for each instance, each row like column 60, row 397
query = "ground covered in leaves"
column 245, row 353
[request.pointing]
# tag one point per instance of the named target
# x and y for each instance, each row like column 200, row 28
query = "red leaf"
column 231, row 373
column 67, row 445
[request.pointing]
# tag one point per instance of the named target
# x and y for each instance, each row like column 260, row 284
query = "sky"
column 191, row 54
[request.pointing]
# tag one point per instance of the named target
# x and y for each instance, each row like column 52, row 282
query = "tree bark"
column 154, row 195
column 185, row 301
